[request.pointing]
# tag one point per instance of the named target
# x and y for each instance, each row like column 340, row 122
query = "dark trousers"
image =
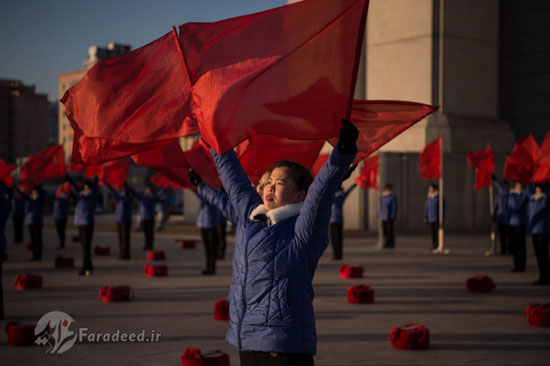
column 17, row 229
column 86, row 234
column 336, row 239
column 434, row 228
column 210, row 240
column 222, row 243
column 389, row 237
column 36, row 241
column 540, row 243
column 149, row 231
column 253, row 358
column 503, row 237
column 124, row 239
column 517, row 247
column 60, row 226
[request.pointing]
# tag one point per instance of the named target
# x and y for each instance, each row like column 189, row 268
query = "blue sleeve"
column 530, row 189
column 426, row 209
column 113, row 192
column 348, row 191
column 500, row 186
column 217, row 199
column 242, row 196
column 312, row 223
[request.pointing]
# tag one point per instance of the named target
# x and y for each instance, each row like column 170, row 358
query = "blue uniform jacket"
column 271, row 293
column 500, row 211
column 336, row 209
column 84, row 213
column 539, row 215
column 17, row 206
column 147, row 205
column 34, row 207
column 208, row 216
column 60, row 205
column 5, row 209
column 123, row 210
column 388, row 207
column 431, row 209
column 516, row 204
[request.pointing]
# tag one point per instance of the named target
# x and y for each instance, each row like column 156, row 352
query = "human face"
column 431, row 190
column 280, row 190
column 261, row 183
column 148, row 191
column 518, row 187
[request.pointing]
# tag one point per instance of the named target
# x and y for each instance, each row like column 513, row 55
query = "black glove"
column 194, row 178
column 348, row 173
column 493, row 177
column 348, row 137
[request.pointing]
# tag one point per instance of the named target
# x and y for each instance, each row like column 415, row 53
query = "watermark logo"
column 53, row 330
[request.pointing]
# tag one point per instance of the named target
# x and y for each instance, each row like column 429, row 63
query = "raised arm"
column 114, row 192
column 348, row 191
column 73, row 185
column 500, row 186
column 217, row 199
column 242, row 195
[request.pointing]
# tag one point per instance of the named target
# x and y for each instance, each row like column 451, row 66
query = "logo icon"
column 53, row 329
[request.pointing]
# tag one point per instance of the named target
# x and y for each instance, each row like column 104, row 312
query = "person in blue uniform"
column 123, row 218
column 147, row 202
column 538, row 226
column 336, row 225
column 500, row 217
column 34, row 218
column 84, row 220
column 60, row 208
column 388, row 213
column 283, row 237
column 207, row 222
column 5, row 209
column 431, row 213
column 17, row 216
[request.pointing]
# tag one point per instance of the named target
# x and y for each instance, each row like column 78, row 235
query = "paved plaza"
column 411, row 286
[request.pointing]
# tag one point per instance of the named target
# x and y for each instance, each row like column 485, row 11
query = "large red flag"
column 430, row 160
column 369, row 174
column 8, row 181
column 5, row 169
column 542, row 167
column 318, row 164
column 87, row 170
column 48, row 163
column 484, row 163
column 200, row 160
column 520, row 165
column 163, row 181
column 115, row 173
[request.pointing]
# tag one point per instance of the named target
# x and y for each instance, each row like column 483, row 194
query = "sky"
column 41, row 38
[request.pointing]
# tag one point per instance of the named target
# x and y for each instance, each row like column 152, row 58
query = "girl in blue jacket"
column 336, row 225
column 34, row 218
column 123, row 218
column 388, row 213
column 207, row 222
column 283, row 238
column 431, row 213
column 539, row 227
column 147, row 202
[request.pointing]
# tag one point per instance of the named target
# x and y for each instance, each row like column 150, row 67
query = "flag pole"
column 440, row 231
column 493, row 250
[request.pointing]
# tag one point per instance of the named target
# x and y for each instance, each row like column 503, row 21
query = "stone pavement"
column 412, row 286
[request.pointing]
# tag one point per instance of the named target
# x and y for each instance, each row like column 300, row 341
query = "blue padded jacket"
column 123, row 209
column 500, row 211
column 336, row 209
column 60, row 205
column 147, row 205
column 388, row 207
column 271, row 294
column 84, row 213
column 516, row 204
column 539, row 215
column 431, row 209
column 34, row 207
column 17, row 206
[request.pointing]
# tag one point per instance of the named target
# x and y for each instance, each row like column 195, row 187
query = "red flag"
column 200, row 160
column 64, row 188
column 542, row 167
column 430, row 160
column 5, row 169
column 369, row 174
column 163, row 181
column 8, row 181
column 48, row 163
column 520, row 165
column 318, row 164
column 115, row 173
column 87, row 170
column 262, row 151
column 484, row 163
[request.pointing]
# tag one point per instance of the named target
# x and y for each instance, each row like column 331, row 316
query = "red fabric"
column 8, row 181
column 130, row 103
column 484, row 163
column 318, row 164
column 430, row 160
column 156, row 270
column 87, row 170
column 48, row 163
column 369, row 174
column 115, row 173
column 163, row 181
column 262, row 151
column 21, row 334
column 115, row 294
column 27, row 281
column 269, row 80
column 350, row 271
column 480, row 283
column 5, row 169
column 194, row 357
column 63, row 262
column 360, row 294
column 520, row 165
column 200, row 160
column 99, row 250
column 221, row 310
column 186, row 243
column 538, row 315
column 64, row 188
column 410, row 336
column 542, row 167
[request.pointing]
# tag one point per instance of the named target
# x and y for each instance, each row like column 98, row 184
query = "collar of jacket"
column 82, row 193
column 277, row 214
column 516, row 191
column 537, row 196
column 433, row 195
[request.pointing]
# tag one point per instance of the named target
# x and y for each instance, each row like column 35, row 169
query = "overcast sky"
column 42, row 38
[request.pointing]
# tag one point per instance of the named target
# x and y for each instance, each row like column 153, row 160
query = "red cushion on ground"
column 115, row 294
column 351, row 271
column 155, row 255
column 99, row 250
column 360, row 294
column 63, row 262
column 27, row 281
column 194, row 357
column 480, row 283
column 538, row 315
column 156, row 270
column 410, row 336
column 186, row 243
column 20, row 333
column 221, row 310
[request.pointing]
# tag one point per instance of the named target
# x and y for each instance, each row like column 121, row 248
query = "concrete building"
column 69, row 78
column 23, row 120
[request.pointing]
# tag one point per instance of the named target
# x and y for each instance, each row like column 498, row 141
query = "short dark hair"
column 302, row 177
column 434, row 186
column 388, row 187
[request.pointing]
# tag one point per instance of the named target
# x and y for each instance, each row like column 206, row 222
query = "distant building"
column 69, row 78
column 23, row 120
column 53, row 123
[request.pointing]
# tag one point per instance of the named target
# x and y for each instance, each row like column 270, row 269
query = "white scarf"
column 277, row 214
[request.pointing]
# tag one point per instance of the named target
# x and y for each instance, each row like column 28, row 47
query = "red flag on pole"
column 484, row 163
column 115, row 173
column 48, row 163
column 542, row 168
column 430, row 160
column 86, row 170
column 520, row 165
column 369, row 174
column 163, row 181
column 5, row 169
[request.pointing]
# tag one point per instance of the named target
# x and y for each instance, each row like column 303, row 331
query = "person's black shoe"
column 207, row 272
column 82, row 272
column 513, row 270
